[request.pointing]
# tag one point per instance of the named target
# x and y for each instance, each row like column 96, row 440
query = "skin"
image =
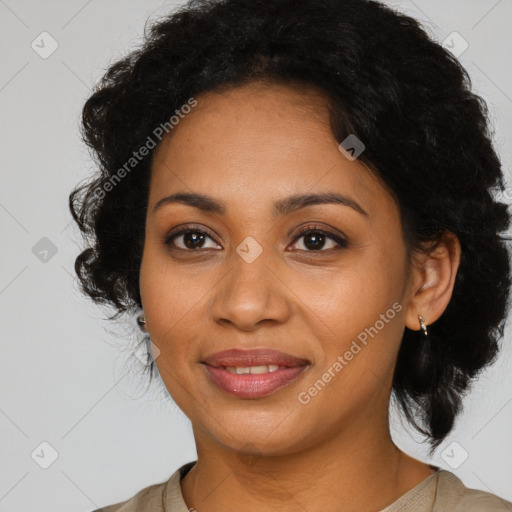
column 246, row 148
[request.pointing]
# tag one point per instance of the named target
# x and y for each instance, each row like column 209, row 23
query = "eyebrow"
column 280, row 208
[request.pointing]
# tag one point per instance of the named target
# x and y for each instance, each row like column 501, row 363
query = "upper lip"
column 253, row 357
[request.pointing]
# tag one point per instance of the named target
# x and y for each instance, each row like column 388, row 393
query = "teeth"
column 239, row 370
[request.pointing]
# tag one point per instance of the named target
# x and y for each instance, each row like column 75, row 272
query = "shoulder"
column 452, row 495
column 149, row 498
column 161, row 497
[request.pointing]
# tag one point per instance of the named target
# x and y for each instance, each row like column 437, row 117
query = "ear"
column 432, row 281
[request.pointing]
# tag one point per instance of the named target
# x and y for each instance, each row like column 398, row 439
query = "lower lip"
column 247, row 385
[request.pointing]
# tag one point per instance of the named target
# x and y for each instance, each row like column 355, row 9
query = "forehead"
column 261, row 141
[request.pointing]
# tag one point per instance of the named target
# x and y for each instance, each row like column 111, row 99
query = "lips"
column 254, row 357
column 219, row 367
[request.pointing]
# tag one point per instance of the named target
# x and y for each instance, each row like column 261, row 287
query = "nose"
column 252, row 293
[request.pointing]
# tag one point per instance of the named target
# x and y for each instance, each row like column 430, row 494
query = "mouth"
column 253, row 373
column 239, row 358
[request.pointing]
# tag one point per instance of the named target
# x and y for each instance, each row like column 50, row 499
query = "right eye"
column 188, row 239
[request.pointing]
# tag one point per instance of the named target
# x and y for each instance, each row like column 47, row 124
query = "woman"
column 295, row 197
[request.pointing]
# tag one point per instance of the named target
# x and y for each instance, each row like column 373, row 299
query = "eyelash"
column 342, row 243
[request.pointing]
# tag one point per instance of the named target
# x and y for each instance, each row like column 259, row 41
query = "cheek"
column 171, row 303
column 357, row 354
column 172, row 299
column 352, row 298
column 360, row 307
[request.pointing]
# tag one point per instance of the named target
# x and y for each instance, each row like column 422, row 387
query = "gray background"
column 66, row 376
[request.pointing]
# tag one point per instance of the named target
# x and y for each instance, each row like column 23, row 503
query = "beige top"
column 440, row 492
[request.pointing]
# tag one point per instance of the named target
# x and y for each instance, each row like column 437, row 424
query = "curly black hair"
column 427, row 136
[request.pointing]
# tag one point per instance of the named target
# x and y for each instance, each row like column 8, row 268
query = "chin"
column 264, row 435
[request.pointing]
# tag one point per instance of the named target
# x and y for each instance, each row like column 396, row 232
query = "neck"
column 348, row 472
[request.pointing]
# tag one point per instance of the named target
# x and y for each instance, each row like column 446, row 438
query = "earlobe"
column 435, row 274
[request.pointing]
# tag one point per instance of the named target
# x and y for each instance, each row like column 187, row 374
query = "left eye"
column 316, row 239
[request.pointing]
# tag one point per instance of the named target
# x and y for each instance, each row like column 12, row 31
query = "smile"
column 254, row 381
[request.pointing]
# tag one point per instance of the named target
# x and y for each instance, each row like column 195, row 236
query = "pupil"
column 316, row 239
column 193, row 240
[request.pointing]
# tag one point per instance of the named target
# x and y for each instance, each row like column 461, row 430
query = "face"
column 229, row 266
